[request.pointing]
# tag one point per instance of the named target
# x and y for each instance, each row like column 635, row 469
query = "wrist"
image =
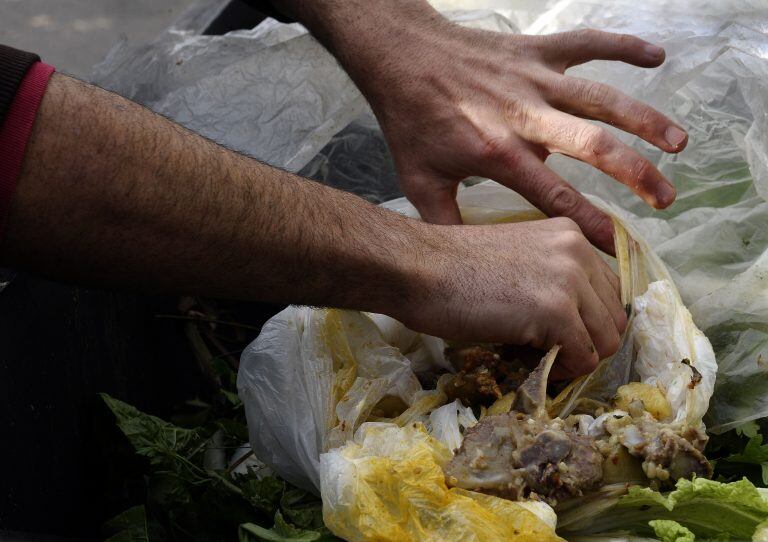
column 413, row 276
column 374, row 40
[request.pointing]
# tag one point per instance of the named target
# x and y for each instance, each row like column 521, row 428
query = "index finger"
column 546, row 190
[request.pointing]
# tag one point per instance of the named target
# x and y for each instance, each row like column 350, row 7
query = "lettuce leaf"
column 708, row 509
column 671, row 531
column 282, row 532
column 129, row 526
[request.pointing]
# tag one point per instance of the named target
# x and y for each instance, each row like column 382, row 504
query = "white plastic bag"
column 310, row 380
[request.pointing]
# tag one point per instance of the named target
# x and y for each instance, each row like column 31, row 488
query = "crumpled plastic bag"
column 664, row 335
column 448, row 422
column 313, row 377
column 271, row 92
column 388, row 484
column 275, row 93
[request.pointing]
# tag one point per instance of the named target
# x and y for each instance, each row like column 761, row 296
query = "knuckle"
column 640, row 170
column 625, row 40
column 586, row 34
column 530, row 336
column 577, row 252
column 556, row 306
column 591, row 361
column 612, row 343
column 517, row 112
column 647, row 121
column 493, row 149
column 595, row 95
column 573, row 271
column 565, row 200
column 596, row 223
column 500, row 151
column 595, row 141
column 621, row 318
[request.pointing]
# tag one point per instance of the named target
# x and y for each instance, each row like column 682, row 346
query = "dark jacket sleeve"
column 266, row 7
column 14, row 65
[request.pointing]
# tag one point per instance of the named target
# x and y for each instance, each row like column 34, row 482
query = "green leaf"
column 231, row 398
column 282, row 532
column 302, row 509
column 150, row 436
column 129, row 526
column 191, row 501
column 749, row 429
column 740, row 453
column 707, row 508
column 754, row 452
column 671, row 531
column 263, row 493
column 234, row 429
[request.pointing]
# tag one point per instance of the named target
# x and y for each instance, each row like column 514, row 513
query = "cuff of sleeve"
column 16, row 131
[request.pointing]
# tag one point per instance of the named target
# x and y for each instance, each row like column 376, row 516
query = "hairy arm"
column 114, row 194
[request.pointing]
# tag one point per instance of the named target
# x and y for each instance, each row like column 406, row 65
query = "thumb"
column 435, row 201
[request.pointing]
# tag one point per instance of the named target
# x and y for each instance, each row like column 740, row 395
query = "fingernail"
column 675, row 136
column 665, row 195
column 654, row 52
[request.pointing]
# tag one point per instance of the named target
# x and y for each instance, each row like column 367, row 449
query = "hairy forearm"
column 114, row 194
column 367, row 35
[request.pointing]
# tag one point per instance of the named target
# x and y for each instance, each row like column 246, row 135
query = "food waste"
column 526, row 452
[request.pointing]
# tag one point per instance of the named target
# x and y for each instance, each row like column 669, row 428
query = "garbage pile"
column 342, row 403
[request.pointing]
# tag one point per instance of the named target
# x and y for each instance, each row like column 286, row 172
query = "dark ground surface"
column 65, row 466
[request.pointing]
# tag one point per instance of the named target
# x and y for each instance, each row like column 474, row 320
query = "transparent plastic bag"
column 276, row 94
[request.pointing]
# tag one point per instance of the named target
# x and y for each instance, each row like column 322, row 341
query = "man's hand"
column 536, row 283
column 455, row 102
column 113, row 194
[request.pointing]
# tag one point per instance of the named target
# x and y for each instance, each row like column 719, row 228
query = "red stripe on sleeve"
column 16, row 131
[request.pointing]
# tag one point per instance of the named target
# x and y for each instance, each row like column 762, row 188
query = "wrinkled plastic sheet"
column 276, row 94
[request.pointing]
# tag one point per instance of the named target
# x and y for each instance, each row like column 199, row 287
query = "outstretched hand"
column 456, row 102
column 465, row 102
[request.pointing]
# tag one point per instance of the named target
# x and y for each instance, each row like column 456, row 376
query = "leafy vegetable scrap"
column 194, row 494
